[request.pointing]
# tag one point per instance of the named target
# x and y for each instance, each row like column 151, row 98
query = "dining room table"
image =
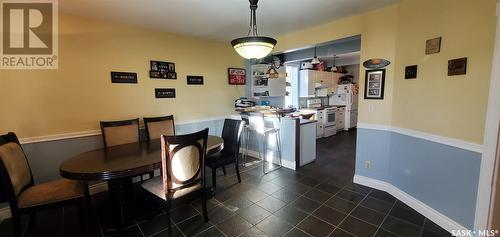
column 117, row 165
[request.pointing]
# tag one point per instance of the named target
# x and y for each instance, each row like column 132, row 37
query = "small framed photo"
column 374, row 84
column 433, row 46
column 457, row 67
column 236, row 76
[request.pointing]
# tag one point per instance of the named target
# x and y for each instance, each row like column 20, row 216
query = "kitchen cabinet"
column 309, row 80
column 263, row 86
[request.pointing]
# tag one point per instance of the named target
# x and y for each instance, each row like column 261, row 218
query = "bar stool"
column 263, row 129
column 246, row 134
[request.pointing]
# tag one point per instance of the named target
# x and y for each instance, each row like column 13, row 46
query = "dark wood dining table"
column 117, row 165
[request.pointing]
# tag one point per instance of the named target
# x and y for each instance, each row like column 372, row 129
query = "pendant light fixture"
column 315, row 60
column 253, row 46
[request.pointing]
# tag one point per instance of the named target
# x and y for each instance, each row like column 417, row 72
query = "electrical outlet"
column 368, row 164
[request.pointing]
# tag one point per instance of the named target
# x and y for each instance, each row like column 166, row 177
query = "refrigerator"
column 347, row 95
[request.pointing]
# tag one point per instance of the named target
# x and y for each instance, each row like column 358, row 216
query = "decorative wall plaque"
column 195, row 80
column 457, row 67
column 236, row 76
column 123, row 77
column 411, row 72
column 433, row 46
column 165, row 93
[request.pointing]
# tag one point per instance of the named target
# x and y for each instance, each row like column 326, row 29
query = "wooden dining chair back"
column 18, row 189
column 120, row 132
column 183, row 159
column 183, row 170
column 157, row 126
column 231, row 133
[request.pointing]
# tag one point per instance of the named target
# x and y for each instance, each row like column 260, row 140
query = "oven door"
column 329, row 118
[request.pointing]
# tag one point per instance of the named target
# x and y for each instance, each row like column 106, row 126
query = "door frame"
column 485, row 189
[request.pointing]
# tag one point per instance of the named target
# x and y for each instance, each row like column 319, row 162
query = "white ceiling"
column 220, row 19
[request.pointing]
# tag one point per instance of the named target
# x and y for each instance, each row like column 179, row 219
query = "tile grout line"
column 311, row 214
column 138, row 227
column 385, row 218
column 422, row 229
column 349, row 214
column 283, row 187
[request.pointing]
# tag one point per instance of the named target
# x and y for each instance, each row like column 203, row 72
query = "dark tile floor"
column 317, row 200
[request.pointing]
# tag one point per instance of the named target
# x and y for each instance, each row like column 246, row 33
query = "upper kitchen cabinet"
column 264, row 86
column 311, row 82
column 307, row 83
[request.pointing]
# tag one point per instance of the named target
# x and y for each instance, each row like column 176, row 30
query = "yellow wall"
column 79, row 94
column 434, row 103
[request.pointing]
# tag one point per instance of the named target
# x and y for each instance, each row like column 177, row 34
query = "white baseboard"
column 435, row 216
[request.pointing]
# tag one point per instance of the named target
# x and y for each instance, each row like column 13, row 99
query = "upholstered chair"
column 24, row 197
column 231, row 133
column 157, row 126
column 120, row 132
column 183, row 173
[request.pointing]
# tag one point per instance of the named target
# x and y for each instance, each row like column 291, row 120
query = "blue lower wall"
column 443, row 177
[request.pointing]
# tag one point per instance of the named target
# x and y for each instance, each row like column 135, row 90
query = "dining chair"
column 18, row 188
column 231, row 133
column 183, row 170
column 120, row 132
column 157, row 126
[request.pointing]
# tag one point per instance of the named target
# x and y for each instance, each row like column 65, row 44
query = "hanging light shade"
column 253, row 46
column 315, row 60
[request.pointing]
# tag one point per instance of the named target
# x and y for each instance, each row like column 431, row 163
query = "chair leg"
column 32, row 222
column 204, row 204
column 238, row 172
column 214, row 174
column 224, row 170
column 17, row 226
column 169, row 224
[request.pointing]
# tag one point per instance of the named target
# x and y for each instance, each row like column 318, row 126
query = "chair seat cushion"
column 51, row 192
column 218, row 159
column 155, row 186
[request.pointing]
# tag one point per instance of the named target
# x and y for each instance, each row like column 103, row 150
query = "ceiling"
column 221, row 20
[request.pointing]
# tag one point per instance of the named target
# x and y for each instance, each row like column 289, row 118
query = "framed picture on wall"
column 236, row 76
column 374, row 84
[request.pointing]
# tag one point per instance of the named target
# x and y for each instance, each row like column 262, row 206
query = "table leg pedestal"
column 121, row 195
